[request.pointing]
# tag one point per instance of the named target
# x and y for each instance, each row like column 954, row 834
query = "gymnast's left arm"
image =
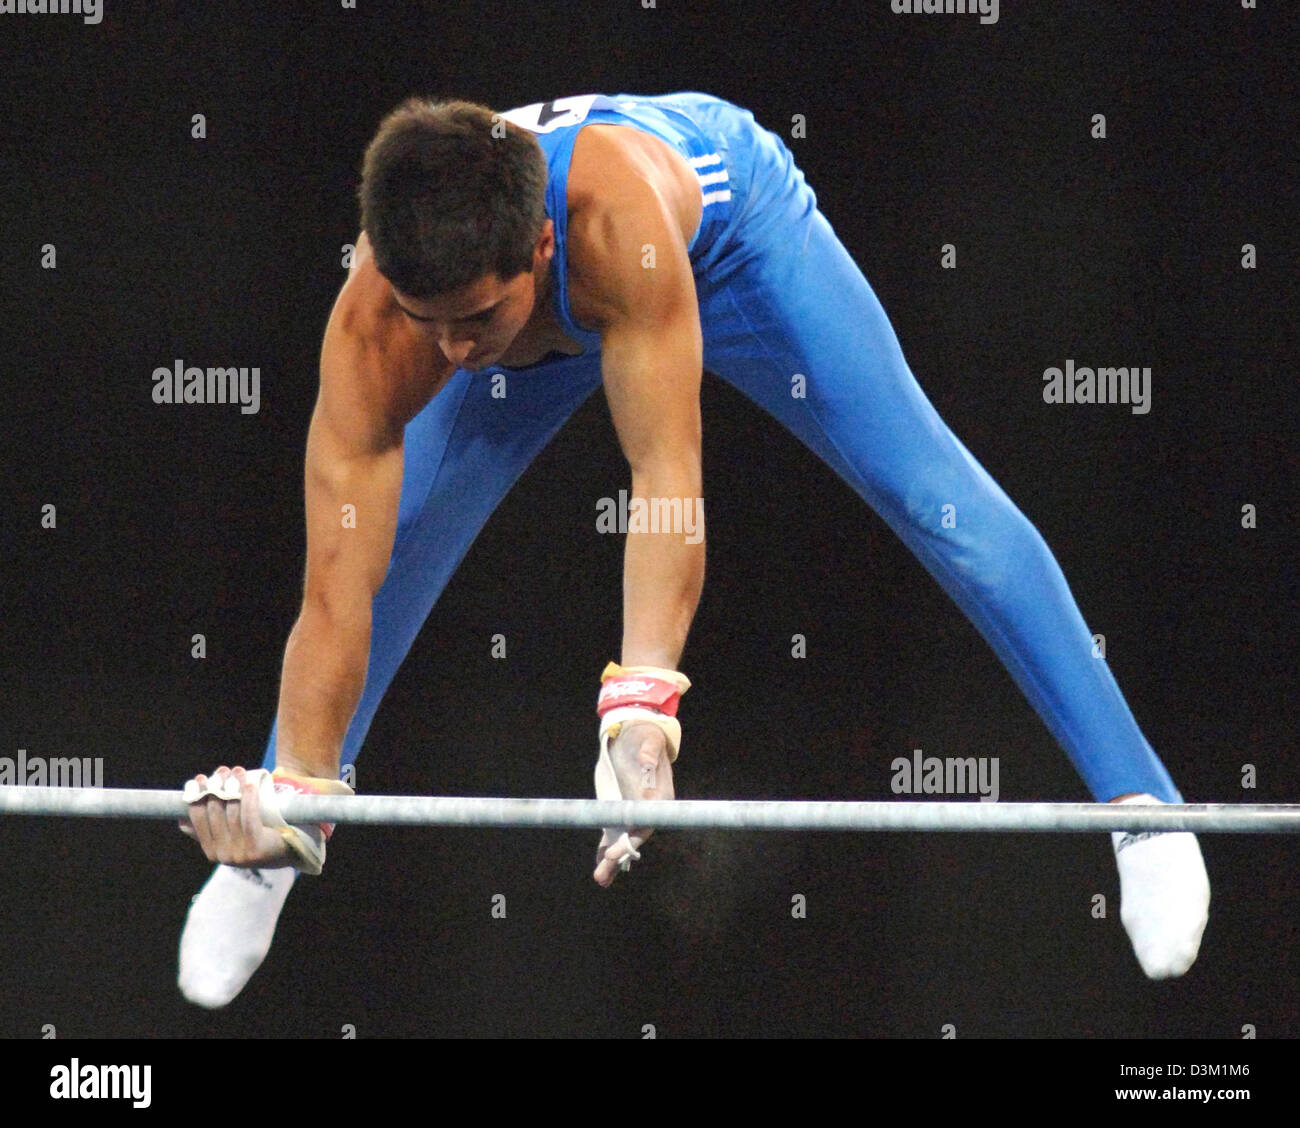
column 638, row 288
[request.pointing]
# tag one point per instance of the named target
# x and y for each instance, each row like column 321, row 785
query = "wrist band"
column 640, row 693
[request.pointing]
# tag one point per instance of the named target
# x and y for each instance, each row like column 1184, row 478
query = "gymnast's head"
column 453, row 204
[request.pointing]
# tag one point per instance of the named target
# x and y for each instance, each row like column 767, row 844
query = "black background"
column 921, row 130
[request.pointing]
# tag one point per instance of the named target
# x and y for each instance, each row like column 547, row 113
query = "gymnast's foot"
column 1164, row 895
column 228, row 931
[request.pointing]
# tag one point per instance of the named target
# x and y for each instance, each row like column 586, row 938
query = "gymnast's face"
column 475, row 325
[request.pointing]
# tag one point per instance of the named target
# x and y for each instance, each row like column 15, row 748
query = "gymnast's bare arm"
column 375, row 375
column 651, row 365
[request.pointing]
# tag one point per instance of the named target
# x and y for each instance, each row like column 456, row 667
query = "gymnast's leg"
column 797, row 303
column 462, row 454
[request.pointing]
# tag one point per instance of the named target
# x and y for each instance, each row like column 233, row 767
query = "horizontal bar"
column 685, row 814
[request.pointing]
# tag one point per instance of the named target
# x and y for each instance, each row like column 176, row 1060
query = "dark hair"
column 451, row 191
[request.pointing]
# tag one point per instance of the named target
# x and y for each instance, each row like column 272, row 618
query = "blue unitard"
column 778, row 295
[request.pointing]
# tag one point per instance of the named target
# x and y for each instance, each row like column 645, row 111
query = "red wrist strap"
column 297, row 785
column 638, row 689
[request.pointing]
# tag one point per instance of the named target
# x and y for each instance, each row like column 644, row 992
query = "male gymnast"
column 627, row 241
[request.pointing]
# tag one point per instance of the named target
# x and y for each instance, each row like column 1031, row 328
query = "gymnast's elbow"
column 335, row 616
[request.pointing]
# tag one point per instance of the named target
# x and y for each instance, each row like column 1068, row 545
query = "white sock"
column 228, row 931
column 1164, row 896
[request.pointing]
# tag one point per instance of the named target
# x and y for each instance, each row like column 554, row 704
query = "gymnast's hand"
column 639, row 755
column 230, row 830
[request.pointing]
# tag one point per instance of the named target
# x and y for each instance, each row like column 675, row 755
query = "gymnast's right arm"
column 353, row 479
column 353, row 482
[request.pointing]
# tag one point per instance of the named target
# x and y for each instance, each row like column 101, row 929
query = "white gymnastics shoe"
column 228, row 931
column 1164, row 895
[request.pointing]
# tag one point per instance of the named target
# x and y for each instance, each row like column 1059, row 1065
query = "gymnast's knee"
column 983, row 538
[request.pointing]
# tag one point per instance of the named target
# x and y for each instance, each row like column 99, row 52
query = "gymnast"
column 508, row 265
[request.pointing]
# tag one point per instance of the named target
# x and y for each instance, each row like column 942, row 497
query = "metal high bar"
column 685, row 814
